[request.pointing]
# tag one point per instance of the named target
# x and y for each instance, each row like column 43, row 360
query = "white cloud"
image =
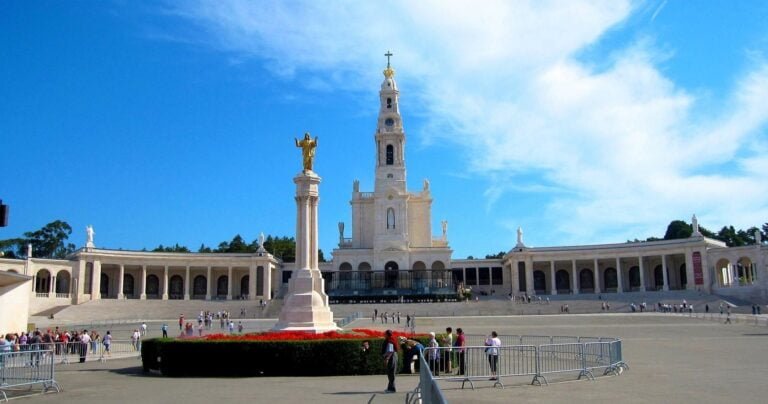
column 626, row 143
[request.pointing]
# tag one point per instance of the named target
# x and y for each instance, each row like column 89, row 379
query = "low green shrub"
column 200, row 357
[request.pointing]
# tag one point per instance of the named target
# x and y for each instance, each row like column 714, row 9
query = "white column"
column 186, row 283
column 143, row 283
column 79, row 282
column 552, row 282
column 642, row 273
column 575, row 277
column 515, row 278
column 51, row 286
column 306, row 305
column 268, row 281
column 96, row 280
column 690, row 283
column 209, row 286
column 596, row 275
column 619, row 278
column 252, row 292
column 165, row 283
column 229, row 283
column 664, row 272
column 120, row 279
column 529, row 276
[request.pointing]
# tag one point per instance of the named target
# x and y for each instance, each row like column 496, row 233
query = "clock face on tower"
column 389, row 122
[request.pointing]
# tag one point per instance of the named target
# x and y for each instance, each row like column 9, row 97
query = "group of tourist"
column 385, row 317
column 528, row 299
column 61, row 341
column 443, row 354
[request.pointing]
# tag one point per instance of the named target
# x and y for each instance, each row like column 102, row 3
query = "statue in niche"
column 308, row 147
column 390, row 218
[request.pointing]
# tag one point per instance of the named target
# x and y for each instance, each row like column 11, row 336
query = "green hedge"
column 263, row 358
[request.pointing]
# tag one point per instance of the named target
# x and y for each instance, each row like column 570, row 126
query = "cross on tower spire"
column 388, row 55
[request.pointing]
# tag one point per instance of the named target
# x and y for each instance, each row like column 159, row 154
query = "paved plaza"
column 672, row 359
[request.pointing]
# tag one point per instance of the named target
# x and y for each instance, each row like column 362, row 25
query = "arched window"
column 562, row 281
column 658, row 277
column 539, row 281
column 389, row 103
column 364, row 266
column 390, row 218
column 391, row 271
column 128, row 285
column 222, row 285
column 176, row 287
column 634, row 277
column 244, row 285
column 390, row 155
column 586, row 279
column 103, row 285
column 62, row 282
column 611, row 279
column 199, row 286
column 153, row 285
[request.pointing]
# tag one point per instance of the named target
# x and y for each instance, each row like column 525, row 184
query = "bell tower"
column 390, row 138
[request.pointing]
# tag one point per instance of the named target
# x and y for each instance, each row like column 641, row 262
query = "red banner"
column 698, row 272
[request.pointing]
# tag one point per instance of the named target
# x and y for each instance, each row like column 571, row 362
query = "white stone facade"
column 391, row 229
column 391, row 226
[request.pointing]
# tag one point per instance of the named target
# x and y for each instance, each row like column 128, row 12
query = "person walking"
column 447, row 341
column 85, row 340
column 728, row 315
column 389, row 350
column 493, row 343
column 107, row 341
column 433, row 355
column 460, row 345
column 165, row 330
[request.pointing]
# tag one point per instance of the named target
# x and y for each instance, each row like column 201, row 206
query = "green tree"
column 204, row 249
column 320, row 256
column 175, row 248
column 678, row 229
column 500, row 254
column 765, row 233
column 48, row 242
column 731, row 237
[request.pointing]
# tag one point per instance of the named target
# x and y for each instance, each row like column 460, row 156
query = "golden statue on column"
column 308, row 147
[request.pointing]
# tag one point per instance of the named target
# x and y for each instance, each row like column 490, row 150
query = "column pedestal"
column 306, row 304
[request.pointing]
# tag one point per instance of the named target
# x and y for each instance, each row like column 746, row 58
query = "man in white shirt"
column 85, row 339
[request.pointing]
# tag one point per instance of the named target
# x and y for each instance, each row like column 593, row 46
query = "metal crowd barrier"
column 72, row 352
column 427, row 391
column 27, row 368
column 527, row 356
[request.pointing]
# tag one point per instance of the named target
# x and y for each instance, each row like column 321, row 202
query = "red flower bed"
column 356, row 333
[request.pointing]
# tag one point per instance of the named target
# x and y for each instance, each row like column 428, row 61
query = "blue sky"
column 582, row 122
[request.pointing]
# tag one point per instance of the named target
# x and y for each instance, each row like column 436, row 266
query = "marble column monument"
column 305, row 306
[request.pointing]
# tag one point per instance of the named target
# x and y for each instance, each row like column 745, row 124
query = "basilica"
column 386, row 252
